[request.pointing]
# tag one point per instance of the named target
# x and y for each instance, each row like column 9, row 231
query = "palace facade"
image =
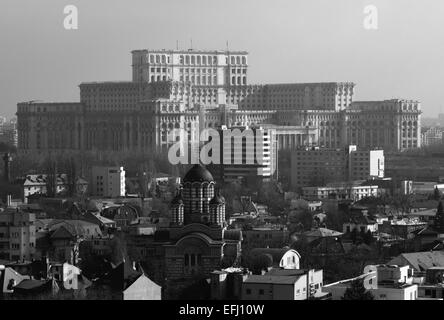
column 193, row 90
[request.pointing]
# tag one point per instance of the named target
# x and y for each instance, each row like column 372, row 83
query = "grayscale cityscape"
column 248, row 150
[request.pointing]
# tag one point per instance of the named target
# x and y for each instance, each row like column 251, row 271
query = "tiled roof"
column 423, row 260
column 322, row 232
column 40, row 179
column 75, row 227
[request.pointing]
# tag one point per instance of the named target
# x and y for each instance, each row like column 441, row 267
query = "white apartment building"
column 432, row 136
column 17, row 235
column 385, row 282
column 108, row 182
column 279, row 284
column 36, row 184
column 365, row 164
column 246, row 153
column 342, row 192
column 317, row 166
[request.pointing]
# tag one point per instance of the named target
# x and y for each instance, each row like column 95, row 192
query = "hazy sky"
column 288, row 41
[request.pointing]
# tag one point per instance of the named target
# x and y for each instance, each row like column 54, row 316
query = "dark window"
column 248, row 291
column 261, row 291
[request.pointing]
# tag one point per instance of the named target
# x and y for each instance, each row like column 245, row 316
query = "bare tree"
column 51, row 177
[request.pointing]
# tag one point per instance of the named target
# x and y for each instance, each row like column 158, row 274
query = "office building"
column 312, row 167
column 108, row 182
column 17, row 235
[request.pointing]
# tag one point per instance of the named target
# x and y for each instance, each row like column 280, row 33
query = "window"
column 261, row 291
column 248, row 291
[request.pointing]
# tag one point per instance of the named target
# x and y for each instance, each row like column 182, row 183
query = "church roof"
column 177, row 199
column 198, row 173
column 217, row 199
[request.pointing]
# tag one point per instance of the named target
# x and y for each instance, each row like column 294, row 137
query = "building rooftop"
column 272, row 279
column 322, row 233
column 423, row 260
column 188, row 51
column 198, row 173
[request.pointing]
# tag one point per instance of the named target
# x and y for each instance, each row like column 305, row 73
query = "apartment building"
column 108, row 182
column 17, row 235
column 318, row 166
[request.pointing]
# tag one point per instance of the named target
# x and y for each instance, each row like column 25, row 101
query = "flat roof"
column 272, row 279
column 187, row 51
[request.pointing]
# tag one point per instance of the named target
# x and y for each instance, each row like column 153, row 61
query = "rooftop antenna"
column 177, row 44
column 227, row 46
column 191, row 41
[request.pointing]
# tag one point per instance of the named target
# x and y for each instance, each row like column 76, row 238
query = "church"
column 197, row 241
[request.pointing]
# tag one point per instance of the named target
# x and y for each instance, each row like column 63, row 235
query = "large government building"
column 193, row 90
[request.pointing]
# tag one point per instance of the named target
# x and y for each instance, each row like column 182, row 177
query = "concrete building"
column 199, row 67
column 65, row 237
column 108, row 182
column 360, row 224
column 280, row 284
column 265, row 236
column 317, row 166
column 253, row 158
column 35, row 184
column 385, row 282
column 432, row 136
column 195, row 89
column 17, row 235
column 343, row 192
column 420, row 261
column 426, row 187
column 8, row 132
column 433, row 284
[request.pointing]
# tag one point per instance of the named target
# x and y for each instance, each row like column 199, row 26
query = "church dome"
column 198, row 173
column 218, row 199
column 177, row 199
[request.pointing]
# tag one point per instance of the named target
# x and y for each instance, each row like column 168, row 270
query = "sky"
column 287, row 40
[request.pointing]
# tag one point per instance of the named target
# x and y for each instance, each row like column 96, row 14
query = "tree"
column 71, row 171
column 51, row 178
column 354, row 235
column 436, row 194
column 368, row 238
column 357, row 292
column 439, row 218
